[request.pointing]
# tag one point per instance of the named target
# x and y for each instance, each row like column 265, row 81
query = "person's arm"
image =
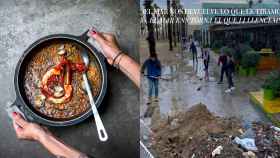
column 58, row 148
column 130, row 68
column 219, row 60
column 32, row 131
column 116, row 57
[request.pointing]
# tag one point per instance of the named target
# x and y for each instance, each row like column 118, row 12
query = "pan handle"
column 16, row 106
column 84, row 36
column 93, row 44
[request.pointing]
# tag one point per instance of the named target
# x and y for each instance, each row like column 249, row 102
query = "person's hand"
column 108, row 44
column 27, row 130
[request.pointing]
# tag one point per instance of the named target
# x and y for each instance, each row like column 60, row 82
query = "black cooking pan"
column 21, row 99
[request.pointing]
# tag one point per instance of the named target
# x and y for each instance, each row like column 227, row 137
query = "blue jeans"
column 153, row 87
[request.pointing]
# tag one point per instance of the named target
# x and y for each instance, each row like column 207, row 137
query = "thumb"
column 110, row 61
column 17, row 127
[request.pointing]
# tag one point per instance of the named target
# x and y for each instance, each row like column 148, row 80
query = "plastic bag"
column 246, row 143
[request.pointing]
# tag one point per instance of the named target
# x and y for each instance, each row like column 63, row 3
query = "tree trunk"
column 174, row 34
column 178, row 31
column 162, row 27
column 169, row 27
column 156, row 25
column 174, row 7
column 186, row 29
column 150, row 26
column 183, row 28
column 166, row 28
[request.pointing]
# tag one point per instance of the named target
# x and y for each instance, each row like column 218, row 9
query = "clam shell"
column 61, row 52
column 58, row 91
column 61, row 47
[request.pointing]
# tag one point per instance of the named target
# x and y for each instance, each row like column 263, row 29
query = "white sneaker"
column 228, row 90
column 232, row 88
column 156, row 99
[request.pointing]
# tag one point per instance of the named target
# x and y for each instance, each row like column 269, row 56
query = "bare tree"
column 169, row 26
column 174, row 22
column 162, row 26
column 250, row 2
column 156, row 16
column 150, row 26
column 166, row 25
column 183, row 24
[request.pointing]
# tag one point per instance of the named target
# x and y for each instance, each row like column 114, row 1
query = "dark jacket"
column 230, row 67
column 193, row 47
column 222, row 60
column 153, row 68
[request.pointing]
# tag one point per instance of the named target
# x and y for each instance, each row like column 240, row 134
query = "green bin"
column 268, row 94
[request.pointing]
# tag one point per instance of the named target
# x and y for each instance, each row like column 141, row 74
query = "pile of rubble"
column 197, row 133
column 267, row 139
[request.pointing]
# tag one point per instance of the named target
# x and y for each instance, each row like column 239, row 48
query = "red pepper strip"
column 62, row 63
column 80, row 67
column 53, row 78
column 50, row 83
column 61, row 79
column 73, row 67
column 68, row 75
column 46, row 93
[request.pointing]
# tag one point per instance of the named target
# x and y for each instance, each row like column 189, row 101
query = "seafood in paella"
column 53, row 80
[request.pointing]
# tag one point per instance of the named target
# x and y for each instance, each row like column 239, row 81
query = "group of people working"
column 226, row 62
column 153, row 66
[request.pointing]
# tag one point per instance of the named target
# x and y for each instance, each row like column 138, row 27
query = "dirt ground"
column 195, row 133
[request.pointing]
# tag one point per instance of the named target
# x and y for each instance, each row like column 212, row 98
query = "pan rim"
column 87, row 113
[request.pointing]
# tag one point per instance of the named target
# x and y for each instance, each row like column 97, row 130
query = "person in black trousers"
column 206, row 59
column 222, row 61
column 194, row 52
column 230, row 67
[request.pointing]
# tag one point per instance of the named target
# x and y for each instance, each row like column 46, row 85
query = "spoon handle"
column 102, row 134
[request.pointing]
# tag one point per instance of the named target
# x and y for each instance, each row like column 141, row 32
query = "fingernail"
column 14, row 114
column 93, row 32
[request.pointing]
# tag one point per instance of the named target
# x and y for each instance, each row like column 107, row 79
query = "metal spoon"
column 99, row 125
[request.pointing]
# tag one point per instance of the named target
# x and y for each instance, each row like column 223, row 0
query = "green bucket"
column 268, row 94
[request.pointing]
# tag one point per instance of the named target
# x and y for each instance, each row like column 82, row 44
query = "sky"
column 197, row 3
